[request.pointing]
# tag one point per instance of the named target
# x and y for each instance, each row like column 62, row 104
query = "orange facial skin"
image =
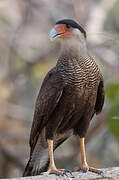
column 63, row 31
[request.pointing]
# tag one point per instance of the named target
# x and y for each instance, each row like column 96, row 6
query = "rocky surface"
column 109, row 173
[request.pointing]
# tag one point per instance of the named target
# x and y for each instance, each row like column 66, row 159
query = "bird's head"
column 67, row 29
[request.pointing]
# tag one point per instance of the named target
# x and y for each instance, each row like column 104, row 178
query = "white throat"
column 77, row 41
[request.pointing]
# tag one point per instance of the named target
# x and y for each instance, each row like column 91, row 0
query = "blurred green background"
column 26, row 55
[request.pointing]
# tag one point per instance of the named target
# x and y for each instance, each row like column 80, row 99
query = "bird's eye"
column 68, row 26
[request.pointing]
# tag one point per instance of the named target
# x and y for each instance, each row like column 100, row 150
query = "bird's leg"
column 52, row 168
column 84, row 166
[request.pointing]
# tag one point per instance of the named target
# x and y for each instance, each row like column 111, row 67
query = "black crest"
column 71, row 23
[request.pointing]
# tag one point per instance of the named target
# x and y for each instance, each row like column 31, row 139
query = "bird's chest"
column 81, row 86
column 83, row 76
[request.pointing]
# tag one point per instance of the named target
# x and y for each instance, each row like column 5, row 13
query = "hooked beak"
column 53, row 34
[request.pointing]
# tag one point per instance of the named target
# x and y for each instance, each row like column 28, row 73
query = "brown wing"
column 49, row 96
column 100, row 97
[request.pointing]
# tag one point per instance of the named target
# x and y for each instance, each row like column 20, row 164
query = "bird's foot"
column 85, row 168
column 58, row 172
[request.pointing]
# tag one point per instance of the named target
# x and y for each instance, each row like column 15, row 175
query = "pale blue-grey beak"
column 53, row 34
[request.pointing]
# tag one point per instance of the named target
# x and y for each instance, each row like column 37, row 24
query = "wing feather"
column 100, row 97
column 48, row 98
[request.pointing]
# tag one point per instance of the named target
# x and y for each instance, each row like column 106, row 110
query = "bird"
column 72, row 92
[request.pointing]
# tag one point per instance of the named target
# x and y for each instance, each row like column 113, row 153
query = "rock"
column 109, row 173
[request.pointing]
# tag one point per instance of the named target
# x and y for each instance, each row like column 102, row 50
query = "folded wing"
column 47, row 100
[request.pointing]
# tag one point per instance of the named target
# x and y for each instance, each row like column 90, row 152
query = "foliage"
column 113, row 116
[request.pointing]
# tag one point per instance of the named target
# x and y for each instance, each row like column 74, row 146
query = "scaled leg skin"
column 84, row 166
column 52, row 168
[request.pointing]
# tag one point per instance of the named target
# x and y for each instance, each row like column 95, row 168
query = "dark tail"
column 39, row 160
column 28, row 170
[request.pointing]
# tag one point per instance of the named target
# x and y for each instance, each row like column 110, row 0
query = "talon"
column 102, row 173
column 97, row 171
column 85, row 170
column 64, row 173
column 68, row 171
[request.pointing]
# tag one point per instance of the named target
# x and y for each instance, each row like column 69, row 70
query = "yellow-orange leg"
column 84, row 166
column 52, row 168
